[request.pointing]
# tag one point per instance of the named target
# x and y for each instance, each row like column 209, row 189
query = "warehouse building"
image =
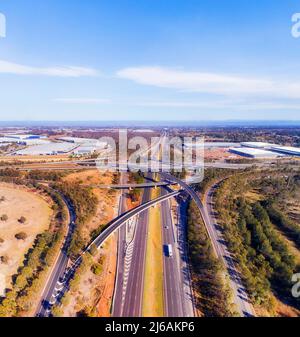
column 287, row 150
column 257, row 145
column 47, row 149
column 85, row 150
column 24, row 137
column 254, row 153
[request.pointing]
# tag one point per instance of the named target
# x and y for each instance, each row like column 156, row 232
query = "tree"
column 4, row 217
column 22, row 220
column 97, row 269
column 4, row 259
column 21, row 236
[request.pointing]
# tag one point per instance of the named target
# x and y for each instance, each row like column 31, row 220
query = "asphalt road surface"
column 118, row 294
column 135, row 286
column 173, row 287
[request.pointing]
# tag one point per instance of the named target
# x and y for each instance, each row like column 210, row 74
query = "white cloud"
column 82, row 100
column 211, row 83
column 62, row 71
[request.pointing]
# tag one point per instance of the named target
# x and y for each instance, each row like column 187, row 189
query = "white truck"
column 169, row 250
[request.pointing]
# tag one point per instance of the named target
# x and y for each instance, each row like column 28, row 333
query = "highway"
column 241, row 299
column 173, row 289
column 119, row 280
column 135, row 286
column 54, row 284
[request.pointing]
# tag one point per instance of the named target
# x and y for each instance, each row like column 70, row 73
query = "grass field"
column 153, row 304
column 19, row 202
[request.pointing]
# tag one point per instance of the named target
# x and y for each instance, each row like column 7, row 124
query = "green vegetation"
column 134, row 194
column 136, row 177
column 291, row 229
column 212, row 294
column 45, row 175
column 85, row 206
column 264, row 259
column 97, row 268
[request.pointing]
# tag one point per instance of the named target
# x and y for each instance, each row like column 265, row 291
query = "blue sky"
column 149, row 60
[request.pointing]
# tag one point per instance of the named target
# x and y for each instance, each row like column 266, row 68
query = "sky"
column 149, row 60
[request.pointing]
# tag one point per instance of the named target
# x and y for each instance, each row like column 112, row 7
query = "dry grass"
column 253, row 196
column 19, row 202
column 153, row 304
column 95, row 292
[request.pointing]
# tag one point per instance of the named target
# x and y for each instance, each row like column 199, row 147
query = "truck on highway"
column 169, row 250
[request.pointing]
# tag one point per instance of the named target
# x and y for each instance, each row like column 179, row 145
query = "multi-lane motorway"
column 135, row 287
column 176, row 303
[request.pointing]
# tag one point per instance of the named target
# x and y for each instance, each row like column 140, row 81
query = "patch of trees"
column 211, row 175
column 213, row 297
column 136, row 177
column 10, row 172
column 31, row 276
column 84, row 203
column 263, row 258
column 45, row 175
column 291, row 229
column 135, row 194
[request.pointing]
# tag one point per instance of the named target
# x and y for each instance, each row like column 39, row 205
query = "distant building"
column 24, row 137
column 77, row 140
column 254, row 153
column 47, row 149
column 257, row 145
column 287, row 150
column 85, row 150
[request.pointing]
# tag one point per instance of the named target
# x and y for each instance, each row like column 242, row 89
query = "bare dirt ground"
column 33, row 159
column 215, row 154
column 19, row 202
column 107, row 282
column 94, row 292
